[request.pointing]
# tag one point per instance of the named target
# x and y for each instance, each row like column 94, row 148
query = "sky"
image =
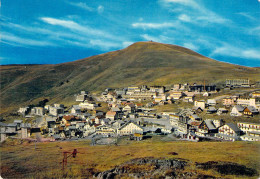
column 58, row 31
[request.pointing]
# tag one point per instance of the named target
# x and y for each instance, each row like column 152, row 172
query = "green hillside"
column 148, row 63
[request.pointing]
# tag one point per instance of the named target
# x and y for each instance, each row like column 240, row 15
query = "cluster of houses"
column 189, row 126
column 131, row 114
column 17, row 128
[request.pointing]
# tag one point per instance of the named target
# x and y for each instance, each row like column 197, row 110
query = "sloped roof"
column 211, row 108
column 69, row 117
column 252, row 109
column 123, row 126
column 76, row 107
column 25, row 125
column 233, row 127
column 111, row 113
column 239, row 108
column 210, row 124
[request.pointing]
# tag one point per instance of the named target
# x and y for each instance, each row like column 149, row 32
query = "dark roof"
column 11, row 125
column 25, row 125
column 233, row 127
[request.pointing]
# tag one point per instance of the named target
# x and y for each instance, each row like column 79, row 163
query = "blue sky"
column 57, row 31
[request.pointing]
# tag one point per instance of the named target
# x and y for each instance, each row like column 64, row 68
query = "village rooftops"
column 239, row 108
column 111, row 113
column 26, row 125
column 12, row 125
column 233, row 127
column 69, row 118
column 210, row 124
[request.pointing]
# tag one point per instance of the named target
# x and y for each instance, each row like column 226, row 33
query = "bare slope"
column 141, row 63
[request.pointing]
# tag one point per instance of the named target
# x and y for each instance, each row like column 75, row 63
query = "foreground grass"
column 24, row 160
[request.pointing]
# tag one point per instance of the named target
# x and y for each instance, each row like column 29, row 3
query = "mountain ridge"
column 148, row 63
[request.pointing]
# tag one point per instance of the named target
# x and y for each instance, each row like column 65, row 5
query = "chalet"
column 130, row 128
column 237, row 110
column 130, row 107
column 206, row 128
column 55, row 111
column 111, row 115
column 229, row 132
column 75, row 109
column 200, row 104
column 250, row 111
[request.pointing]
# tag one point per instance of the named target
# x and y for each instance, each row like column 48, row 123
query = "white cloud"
column 232, row 51
column 245, row 14
column 77, row 27
column 184, row 17
column 11, row 38
column 152, row 25
column 127, row 43
column 189, row 3
column 200, row 13
column 105, row 45
column 148, row 38
column 100, row 9
column 160, row 38
column 191, row 46
column 82, row 5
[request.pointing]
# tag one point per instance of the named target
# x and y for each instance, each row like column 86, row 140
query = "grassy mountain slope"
column 141, row 63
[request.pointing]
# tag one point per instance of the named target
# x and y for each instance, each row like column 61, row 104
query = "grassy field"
column 20, row 159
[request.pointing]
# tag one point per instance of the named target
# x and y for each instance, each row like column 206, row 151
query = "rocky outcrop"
column 145, row 168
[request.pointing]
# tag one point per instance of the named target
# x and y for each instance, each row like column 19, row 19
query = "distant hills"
column 148, row 63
